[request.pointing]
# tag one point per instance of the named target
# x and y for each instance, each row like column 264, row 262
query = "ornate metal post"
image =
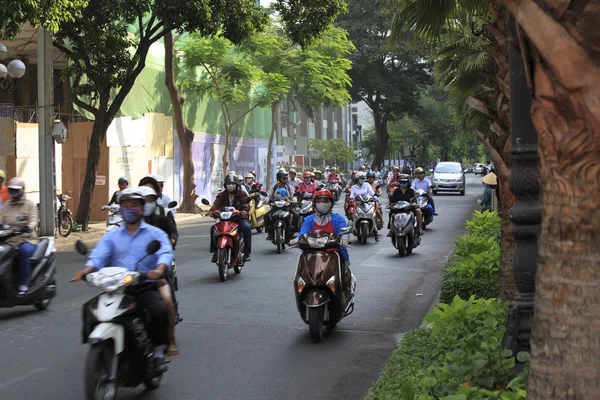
column 526, row 214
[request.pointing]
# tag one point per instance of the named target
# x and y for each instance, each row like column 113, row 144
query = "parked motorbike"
column 426, row 208
column 257, row 209
column 364, row 219
column 322, row 298
column 42, row 286
column 304, row 207
column 64, row 215
column 404, row 234
column 121, row 352
column 229, row 241
column 280, row 216
column 114, row 218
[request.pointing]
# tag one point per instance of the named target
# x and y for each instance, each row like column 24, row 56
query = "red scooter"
column 228, row 239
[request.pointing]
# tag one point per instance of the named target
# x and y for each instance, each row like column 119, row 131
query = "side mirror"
column 172, row 204
column 153, row 247
column 205, row 202
column 346, row 230
column 431, row 170
column 82, row 248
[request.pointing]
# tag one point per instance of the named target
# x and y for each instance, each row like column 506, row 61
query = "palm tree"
column 562, row 56
column 471, row 61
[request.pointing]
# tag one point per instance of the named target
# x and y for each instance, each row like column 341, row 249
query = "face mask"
column 149, row 208
column 131, row 215
column 231, row 188
column 323, row 208
column 404, row 185
column 361, row 181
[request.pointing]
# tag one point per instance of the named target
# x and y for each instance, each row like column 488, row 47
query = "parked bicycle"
column 65, row 216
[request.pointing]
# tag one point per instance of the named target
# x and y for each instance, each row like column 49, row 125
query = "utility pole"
column 45, row 108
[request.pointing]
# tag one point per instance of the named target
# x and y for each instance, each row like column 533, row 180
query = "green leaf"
column 507, row 353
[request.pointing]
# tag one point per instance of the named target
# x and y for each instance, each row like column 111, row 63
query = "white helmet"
column 158, row 178
column 249, row 175
column 146, row 191
column 360, row 174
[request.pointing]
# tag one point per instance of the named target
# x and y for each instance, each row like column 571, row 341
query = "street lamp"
column 10, row 73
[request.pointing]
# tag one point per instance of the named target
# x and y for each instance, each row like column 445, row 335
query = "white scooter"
column 114, row 218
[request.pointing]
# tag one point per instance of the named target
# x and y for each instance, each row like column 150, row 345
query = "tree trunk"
column 382, row 137
column 274, row 123
column 93, row 158
column 565, row 348
column 185, row 135
column 226, row 150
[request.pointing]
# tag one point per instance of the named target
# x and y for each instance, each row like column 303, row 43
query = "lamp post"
column 11, row 72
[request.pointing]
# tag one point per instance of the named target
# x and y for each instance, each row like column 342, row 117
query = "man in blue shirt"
column 423, row 182
column 124, row 247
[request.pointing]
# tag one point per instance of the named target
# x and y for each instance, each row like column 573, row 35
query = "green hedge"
column 459, row 358
column 451, row 286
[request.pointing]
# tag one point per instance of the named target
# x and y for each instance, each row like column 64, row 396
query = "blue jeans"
column 25, row 250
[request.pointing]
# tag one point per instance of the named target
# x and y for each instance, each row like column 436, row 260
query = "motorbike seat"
column 40, row 250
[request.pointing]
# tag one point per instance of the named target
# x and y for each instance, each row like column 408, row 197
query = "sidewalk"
column 97, row 229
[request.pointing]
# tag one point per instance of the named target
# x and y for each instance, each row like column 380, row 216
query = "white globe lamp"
column 16, row 69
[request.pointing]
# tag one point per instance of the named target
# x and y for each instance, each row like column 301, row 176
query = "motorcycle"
column 280, row 210
column 391, row 188
column 404, row 234
column 426, row 208
column 257, row 209
column 304, row 207
column 334, row 187
column 321, row 297
column 364, row 219
column 121, row 352
column 64, row 215
column 114, row 218
column 42, row 286
column 349, row 205
column 229, row 241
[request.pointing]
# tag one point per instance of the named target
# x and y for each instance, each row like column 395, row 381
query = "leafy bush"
column 486, row 224
column 452, row 286
column 478, row 265
column 461, row 357
column 467, row 245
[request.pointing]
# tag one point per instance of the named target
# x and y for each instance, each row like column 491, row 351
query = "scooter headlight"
column 400, row 220
column 318, row 243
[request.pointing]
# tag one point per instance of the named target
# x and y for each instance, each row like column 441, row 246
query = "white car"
column 449, row 177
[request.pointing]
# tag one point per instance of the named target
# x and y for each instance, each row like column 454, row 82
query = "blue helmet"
column 282, row 192
column 370, row 174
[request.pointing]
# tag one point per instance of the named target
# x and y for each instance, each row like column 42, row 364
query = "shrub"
column 452, row 286
column 486, row 224
column 467, row 245
column 479, row 265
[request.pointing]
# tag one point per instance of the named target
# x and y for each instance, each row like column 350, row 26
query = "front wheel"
column 401, row 246
column 364, row 232
column 97, row 372
column 462, row 192
column 65, row 225
column 42, row 304
column 279, row 239
column 315, row 324
column 223, row 263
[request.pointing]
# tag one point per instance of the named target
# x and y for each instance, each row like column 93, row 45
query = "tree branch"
column 149, row 24
column 243, row 115
column 501, row 167
column 85, row 106
column 69, row 53
column 140, row 26
column 160, row 34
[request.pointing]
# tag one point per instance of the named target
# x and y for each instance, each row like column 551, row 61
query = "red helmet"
column 253, row 172
column 324, row 193
column 307, row 174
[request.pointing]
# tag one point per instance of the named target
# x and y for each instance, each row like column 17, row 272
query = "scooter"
column 404, row 234
column 257, row 209
column 334, row 187
column 304, row 207
column 121, row 352
column 364, row 220
column 229, row 241
column 114, row 218
column 425, row 206
column 322, row 298
column 280, row 210
column 42, row 286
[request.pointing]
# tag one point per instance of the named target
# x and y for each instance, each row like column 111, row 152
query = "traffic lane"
column 262, row 302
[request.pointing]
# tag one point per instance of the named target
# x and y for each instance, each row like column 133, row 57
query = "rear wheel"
column 315, row 324
column 363, row 235
column 279, row 239
column 65, row 225
column 97, row 372
column 223, row 263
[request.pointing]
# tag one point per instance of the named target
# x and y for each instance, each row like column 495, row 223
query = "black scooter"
column 42, row 286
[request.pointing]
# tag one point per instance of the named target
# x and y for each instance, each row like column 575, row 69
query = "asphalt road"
column 243, row 339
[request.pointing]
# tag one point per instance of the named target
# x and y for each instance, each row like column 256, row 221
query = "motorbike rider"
column 126, row 246
column 165, row 290
column 20, row 213
column 376, row 172
column 294, row 181
column 319, row 178
column 163, row 198
column 250, row 181
column 253, row 172
column 233, row 196
column 123, row 184
column 362, row 187
column 423, row 182
column 325, row 220
column 160, row 209
column 307, row 186
column 152, row 208
column 282, row 183
column 405, row 193
column 377, row 191
column 334, row 175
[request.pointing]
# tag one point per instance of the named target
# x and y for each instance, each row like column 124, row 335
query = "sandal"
column 172, row 350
